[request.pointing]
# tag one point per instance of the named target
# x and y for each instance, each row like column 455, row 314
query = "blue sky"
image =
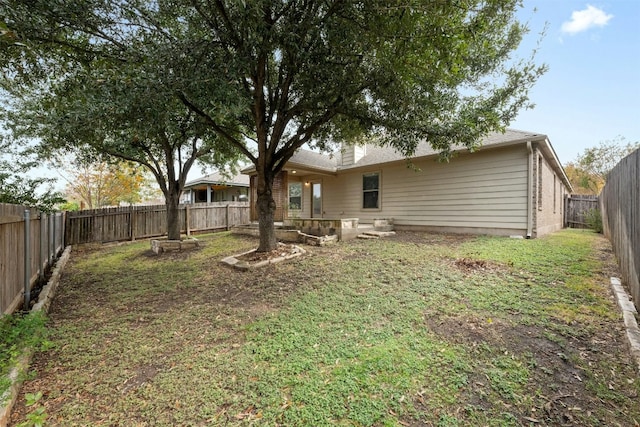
column 591, row 92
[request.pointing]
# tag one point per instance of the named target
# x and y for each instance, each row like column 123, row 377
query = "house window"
column 295, row 195
column 201, row 196
column 540, row 183
column 371, row 190
column 554, row 193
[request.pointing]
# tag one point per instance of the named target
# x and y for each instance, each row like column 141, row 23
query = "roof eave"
column 551, row 154
column 523, row 140
column 296, row 165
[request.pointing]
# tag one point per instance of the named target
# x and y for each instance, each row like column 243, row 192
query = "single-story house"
column 513, row 184
column 216, row 188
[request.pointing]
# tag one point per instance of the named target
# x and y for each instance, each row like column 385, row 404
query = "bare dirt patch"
column 557, row 369
column 425, row 238
column 472, row 266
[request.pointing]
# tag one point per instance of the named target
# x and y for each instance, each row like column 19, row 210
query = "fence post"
column 55, row 238
column 52, row 243
column 63, row 229
column 187, row 220
column 227, row 217
column 43, row 244
column 97, row 231
column 27, row 259
column 132, row 216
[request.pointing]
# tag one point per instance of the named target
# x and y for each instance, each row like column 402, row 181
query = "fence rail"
column 620, row 206
column 139, row 222
column 30, row 241
column 577, row 207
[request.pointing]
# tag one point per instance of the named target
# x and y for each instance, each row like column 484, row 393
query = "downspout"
column 529, row 191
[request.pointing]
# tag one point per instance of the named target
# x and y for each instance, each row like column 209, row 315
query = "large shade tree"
column 268, row 76
column 104, row 98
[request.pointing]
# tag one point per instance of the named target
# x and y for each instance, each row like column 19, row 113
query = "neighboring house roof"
column 239, row 180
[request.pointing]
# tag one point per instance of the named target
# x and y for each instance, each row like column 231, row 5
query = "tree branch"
column 217, row 128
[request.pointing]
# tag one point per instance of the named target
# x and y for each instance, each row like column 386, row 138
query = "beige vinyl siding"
column 486, row 189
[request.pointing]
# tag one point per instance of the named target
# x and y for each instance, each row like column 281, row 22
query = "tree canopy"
column 18, row 186
column 588, row 172
column 100, row 184
column 266, row 77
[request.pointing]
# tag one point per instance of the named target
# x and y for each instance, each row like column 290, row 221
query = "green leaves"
column 172, row 82
column 589, row 171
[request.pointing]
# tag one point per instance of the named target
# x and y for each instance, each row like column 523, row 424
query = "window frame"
column 377, row 190
column 300, row 206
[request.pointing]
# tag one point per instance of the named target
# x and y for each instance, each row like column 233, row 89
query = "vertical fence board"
column 139, row 222
column 12, row 251
column 620, row 205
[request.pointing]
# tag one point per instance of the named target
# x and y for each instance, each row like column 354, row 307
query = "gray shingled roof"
column 377, row 155
column 314, row 160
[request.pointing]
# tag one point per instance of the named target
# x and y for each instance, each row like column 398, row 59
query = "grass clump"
column 17, row 333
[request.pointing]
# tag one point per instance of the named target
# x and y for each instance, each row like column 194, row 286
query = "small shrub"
column 593, row 218
column 38, row 416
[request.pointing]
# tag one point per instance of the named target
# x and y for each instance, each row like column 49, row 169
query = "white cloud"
column 582, row 20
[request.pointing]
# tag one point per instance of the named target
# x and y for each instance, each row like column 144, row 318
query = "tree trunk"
column 173, row 213
column 266, row 209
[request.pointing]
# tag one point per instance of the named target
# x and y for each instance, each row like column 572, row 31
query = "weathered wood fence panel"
column 577, row 207
column 45, row 242
column 138, row 222
column 620, row 206
column 217, row 217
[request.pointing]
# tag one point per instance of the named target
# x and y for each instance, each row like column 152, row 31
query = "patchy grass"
column 18, row 332
column 420, row 329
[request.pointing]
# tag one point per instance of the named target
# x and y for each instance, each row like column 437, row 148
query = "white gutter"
column 530, row 191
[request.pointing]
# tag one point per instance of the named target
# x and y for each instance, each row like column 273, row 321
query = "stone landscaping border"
column 159, row 246
column 8, row 399
column 234, row 262
column 629, row 313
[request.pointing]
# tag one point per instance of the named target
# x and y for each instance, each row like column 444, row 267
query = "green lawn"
column 417, row 329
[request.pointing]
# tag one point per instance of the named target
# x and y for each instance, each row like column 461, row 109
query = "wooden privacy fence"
column 30, row 242
column 577, row 207
column 138, row 222
column 620, row 206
